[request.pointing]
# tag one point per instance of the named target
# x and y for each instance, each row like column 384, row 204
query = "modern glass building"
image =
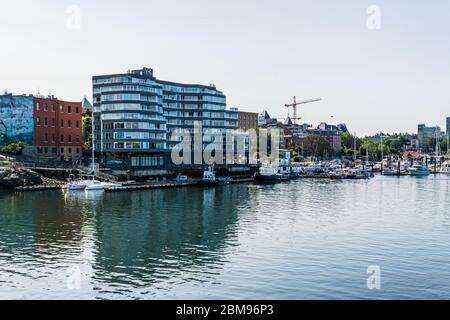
column 137, row 117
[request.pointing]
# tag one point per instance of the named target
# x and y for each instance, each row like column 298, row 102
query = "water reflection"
column 171, row 232
column 239, row 241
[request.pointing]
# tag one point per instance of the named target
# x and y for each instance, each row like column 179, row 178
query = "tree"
column 14, row 148
column 317, row 146
column 87, row 130
column 348, row 141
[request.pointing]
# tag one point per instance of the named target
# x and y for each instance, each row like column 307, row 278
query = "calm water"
column 306, row 239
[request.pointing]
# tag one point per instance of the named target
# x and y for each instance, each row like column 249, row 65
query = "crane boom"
column 297, row 103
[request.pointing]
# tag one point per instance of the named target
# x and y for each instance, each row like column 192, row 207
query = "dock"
column 151, row 186
column 38, row 188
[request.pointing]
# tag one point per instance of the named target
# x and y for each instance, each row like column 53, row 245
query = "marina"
column 248, row 241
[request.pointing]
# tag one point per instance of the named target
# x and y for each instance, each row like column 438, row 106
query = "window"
column 61, row 108
column 38, row 121
column 77, row 110
column 53, row 139
column 78, row 124
column 53, row 109
column 53, row 122
column 45, row 122
column 69, row 109
column 45, row 137
column 77, row 139
column 62, row 138
column 45, row 107
column 70, row 150
column 62, row 123
column 38, row 106
column 70, row 138
column 46, row 150
column 69, row 123
column 62, row 150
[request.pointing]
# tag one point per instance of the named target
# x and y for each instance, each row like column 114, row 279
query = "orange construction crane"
column 297, row 103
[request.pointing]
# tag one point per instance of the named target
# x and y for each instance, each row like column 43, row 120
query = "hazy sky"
column 260, row 53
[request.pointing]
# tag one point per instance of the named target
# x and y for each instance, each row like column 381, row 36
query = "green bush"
column 14, row 148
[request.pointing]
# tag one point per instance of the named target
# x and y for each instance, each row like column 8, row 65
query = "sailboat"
column 90, row 183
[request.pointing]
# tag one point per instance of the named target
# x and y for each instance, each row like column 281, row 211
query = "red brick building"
column 57, row 128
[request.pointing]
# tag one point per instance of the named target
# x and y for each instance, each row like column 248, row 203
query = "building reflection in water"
column 163, row 236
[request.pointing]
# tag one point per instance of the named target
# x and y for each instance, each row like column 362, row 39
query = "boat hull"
column 271, row 178
column 206, row 183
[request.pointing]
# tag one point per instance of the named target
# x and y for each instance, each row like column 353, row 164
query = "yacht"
column 419, row 170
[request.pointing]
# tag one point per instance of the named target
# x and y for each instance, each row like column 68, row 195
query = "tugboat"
column 268, row 173
column 209, row 179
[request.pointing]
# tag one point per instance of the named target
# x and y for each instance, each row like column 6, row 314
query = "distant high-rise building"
column 425, row 134
column 448, row 127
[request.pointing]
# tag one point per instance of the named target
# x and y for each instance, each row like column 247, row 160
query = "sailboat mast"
column 92, row 142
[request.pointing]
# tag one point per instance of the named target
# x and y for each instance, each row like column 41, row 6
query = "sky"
column 384, row 70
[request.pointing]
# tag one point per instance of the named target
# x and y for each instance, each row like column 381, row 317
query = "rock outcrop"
column 12, row 177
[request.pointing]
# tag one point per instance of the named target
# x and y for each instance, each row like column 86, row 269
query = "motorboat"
column 419, row 170
column 355, row 173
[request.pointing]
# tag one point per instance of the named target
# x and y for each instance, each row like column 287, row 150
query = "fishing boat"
column 419, row 170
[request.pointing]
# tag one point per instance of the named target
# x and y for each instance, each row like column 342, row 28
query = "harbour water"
column 305, row 239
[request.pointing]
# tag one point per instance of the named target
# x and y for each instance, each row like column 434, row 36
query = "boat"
column 181, row 179
column 355, row 174
column 94, row 185
column 80, row 184
column 267, row 173
column 389, row 172
column 75, row 186
column 445, row 168
column 419, row 170
column 209, row 178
